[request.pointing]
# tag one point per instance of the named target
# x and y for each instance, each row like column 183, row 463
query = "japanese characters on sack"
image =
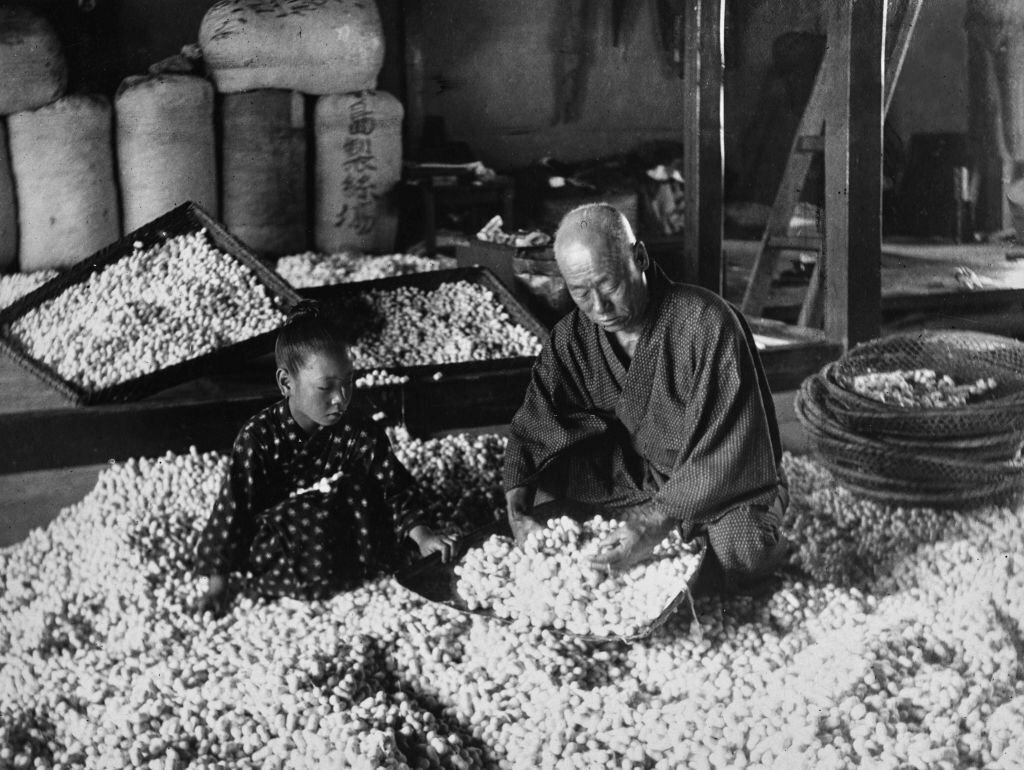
column 313, row 46
column 358, row 163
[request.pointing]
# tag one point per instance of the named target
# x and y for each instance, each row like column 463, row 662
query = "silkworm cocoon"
column 552, row 583
column 156, row 307
column 103, row 663
column 311, row 269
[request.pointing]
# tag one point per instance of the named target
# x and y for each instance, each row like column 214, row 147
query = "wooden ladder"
column 809, row 143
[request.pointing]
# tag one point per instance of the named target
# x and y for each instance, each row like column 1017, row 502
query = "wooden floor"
column 34, row 499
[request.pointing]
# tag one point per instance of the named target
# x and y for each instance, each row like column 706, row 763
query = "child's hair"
column 309, row 329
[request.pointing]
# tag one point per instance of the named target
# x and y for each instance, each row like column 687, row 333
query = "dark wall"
column 522, row 79
column 495, row 71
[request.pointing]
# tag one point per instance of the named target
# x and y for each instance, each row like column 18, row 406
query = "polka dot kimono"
column 308, row 515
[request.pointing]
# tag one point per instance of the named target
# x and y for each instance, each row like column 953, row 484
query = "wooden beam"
column 85, row 435
column 851, row 277
column 808, row 140
column 67, row 436
column 901, row 30
column 702, row 146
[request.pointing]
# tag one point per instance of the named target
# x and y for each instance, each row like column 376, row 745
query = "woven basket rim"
column 818, row 413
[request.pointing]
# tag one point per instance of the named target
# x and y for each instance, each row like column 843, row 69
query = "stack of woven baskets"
column 962, row 454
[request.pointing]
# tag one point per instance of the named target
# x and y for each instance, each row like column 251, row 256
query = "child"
column 312, row 502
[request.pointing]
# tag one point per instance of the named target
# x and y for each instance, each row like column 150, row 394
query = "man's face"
column 609, row 288
column 320, row 391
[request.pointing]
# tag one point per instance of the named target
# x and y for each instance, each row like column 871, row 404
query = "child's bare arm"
column 215, row 600
column 428, row 542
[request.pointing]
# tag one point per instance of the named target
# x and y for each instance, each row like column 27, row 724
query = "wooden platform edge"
column 57, row 438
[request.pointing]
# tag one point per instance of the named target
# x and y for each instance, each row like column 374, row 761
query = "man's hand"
column 429, row 543
column 519, row 502
column 643, row 527
column 216, row 599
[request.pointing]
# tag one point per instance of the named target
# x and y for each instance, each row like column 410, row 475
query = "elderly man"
column 649, row 400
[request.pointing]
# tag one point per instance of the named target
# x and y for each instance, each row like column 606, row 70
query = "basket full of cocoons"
column 549, row 583
column 924, row 418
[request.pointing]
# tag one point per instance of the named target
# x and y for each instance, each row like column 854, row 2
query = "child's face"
column 320, row 391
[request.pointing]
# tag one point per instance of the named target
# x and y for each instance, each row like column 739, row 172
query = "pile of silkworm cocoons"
column 920, row 388
column 458, row 321
column 14, row 286
column 312, row 269
column 550, row 583
column 458, row 476
column 378, row 377
column 158, row 306
column 902, row 649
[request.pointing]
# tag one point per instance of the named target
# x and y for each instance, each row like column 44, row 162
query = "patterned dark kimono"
column 688, row 424
column 308, row 514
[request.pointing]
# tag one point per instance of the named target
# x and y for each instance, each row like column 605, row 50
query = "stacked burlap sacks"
column 166, row 151
column 331, row 51
column 59, row 175
column 34, row 74
column 956, row 456
column 58, row 199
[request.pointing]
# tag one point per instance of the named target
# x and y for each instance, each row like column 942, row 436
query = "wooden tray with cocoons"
column 437, row 582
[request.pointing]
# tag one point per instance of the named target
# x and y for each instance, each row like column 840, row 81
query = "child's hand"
column 443, row 544
column 216, row 599
column 429, row 543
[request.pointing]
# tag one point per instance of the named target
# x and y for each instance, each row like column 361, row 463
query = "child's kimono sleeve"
column 225, row 542
column 401, row 497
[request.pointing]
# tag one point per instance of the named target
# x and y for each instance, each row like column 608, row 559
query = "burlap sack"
column 313, row 46
column 166, row 152
column 263, row 170
column 63, row 165
column 32, row 67
column 358, row 164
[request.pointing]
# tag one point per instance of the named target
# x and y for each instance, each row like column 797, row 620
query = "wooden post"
column 853, row 172
column 702, row 144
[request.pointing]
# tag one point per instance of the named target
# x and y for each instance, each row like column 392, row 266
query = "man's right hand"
column 216, row 599
column 519, row 502
column 643, row 527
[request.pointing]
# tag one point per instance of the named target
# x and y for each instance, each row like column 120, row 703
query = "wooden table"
column 920, row 287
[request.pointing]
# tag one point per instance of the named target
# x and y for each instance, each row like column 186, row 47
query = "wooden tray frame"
column 189, row 217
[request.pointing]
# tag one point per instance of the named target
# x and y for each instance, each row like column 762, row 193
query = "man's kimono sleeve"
column 225, row 541
column 557, row 412
column 730, row 451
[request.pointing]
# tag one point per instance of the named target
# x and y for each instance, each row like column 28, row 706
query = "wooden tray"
column 186, row 218
column 429, row 281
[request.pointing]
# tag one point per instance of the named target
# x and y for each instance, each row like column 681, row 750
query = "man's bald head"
column 601, row 228
column 603, row 267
